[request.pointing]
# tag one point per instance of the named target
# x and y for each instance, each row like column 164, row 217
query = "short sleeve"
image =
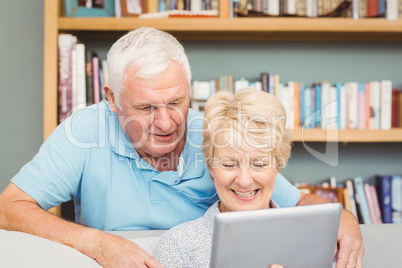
column 53, row 175
column 285, row 194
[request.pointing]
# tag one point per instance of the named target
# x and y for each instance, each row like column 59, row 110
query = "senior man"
column 133, row 162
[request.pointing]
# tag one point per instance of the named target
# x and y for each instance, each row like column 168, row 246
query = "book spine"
column 370, row 202
column 395, row 108
column 264, row 78
column 361, row 104
column 350, row 187
column 361, row 200
column 386, row 105
column 377, row 209
column 301, row 105
column 89, row 77
column 65, row 75
column 95, row 71
column 374, row 121
column 81, row 87
column 396, row 193
column 296, row 100
column 385, row 197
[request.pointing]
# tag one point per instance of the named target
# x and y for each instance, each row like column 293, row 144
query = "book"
column 385, row 104
column 351, row 193
column 396, row 106
column 374, row 121
column 361, row 104
column 383, row 186
column 65, row 47
column 372, row 8
column 89, row 77
column 81, row 98
column 301, row 105
column 96, row 85
column 370, row 202
column 264, row 78
column 377, row 209
column 361, row 201
column 396, row 193
column 296, row 100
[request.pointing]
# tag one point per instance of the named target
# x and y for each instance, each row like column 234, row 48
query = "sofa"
column 383, row 248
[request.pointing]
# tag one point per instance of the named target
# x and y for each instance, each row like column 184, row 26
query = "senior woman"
column 245, row 145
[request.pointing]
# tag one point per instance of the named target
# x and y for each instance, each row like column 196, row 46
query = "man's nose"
column 163, row 118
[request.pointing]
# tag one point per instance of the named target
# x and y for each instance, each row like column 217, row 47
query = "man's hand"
column 115, row 251
column 350, row 240
column 20, row 212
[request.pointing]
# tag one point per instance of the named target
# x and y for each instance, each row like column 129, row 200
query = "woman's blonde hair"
column 249, row 120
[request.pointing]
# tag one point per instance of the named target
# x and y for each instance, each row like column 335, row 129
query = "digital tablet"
column 296, row 237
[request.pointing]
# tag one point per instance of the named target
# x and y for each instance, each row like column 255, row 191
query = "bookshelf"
column 241, row 29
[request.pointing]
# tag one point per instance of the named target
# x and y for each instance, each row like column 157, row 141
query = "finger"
column 359, row 262
column 343, row 257
column 152, row 263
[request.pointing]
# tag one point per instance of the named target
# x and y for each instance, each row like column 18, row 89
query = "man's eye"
column 173, row 104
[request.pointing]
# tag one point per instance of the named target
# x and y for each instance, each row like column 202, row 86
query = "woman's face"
column 243, row 180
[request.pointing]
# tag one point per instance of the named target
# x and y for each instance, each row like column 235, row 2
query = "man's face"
column 154, row 111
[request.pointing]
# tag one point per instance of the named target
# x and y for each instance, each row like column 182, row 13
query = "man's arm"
column 20, row 212
column 350, row 241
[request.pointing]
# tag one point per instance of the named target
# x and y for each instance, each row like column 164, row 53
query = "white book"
column 355, row 7
column 105, row 72
column 288, row 107
column 240, row 84
column 392, row 9
column 343, row 113
column 273, row 7
column 331, row 109
column 374, row 122
column 291, row 7
column 350, row 188
column 386, row 104
column 352, row 90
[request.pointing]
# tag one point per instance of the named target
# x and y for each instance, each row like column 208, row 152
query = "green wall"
column 21, row 78
column 21, row 70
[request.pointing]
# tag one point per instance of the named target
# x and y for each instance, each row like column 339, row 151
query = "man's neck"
column 167, row 162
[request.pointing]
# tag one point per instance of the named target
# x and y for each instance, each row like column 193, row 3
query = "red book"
column 396, row 106
column 372, row 8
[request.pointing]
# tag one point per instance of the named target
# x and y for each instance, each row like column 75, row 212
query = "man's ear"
column 110, row 97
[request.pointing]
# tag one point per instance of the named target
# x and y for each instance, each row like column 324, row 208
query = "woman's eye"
column 259, row 165
column 229, row 165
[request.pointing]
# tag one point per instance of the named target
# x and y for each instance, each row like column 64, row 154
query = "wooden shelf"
column 322, row 135
column 262, row 29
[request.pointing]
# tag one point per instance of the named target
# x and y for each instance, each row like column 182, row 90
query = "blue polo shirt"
column 90, row 159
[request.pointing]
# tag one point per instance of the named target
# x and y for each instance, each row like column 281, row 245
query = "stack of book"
column 81, row 76
column 370, row 204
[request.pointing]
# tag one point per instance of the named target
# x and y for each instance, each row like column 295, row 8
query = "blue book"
column 396, row 193
column 381, row 7
column 383, row 184
column 318, row 105
column 361, row 200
